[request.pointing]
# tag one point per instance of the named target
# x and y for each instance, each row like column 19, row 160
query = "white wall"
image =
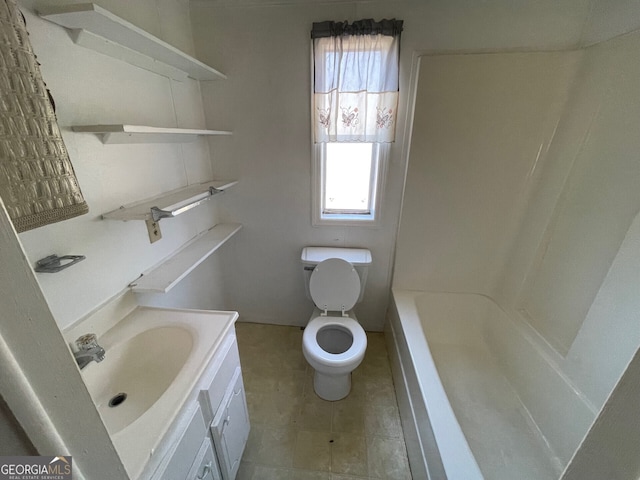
column 13, row 440
column 610, row 19
column 272, row 158
column 90, row 88
column 264, row 48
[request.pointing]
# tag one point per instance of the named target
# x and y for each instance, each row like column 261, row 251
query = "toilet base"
column 331, row 387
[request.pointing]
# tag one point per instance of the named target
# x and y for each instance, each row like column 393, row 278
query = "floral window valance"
column 355, row 95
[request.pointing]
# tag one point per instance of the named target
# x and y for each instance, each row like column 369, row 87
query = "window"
column 349, row 178
column 348, row 182
column 355, row 98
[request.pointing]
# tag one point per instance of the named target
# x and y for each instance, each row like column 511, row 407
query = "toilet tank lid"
column 355, row 256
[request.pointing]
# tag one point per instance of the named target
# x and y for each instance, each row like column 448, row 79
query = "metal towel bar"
column 158, row 213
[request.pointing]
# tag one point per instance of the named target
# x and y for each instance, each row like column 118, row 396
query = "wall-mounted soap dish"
column 54, row 263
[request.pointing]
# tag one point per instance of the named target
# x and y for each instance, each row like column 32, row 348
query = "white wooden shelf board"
column 165, row 276
column 125, row 134
column 168, row 201
column 96, row 28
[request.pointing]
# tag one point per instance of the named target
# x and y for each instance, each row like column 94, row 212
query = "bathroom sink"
column 136, row 372
column 154, row 359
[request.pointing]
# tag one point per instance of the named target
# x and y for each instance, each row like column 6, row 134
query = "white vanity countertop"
column 142, row 440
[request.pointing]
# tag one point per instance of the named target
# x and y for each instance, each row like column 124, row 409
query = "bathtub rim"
column 456, row 456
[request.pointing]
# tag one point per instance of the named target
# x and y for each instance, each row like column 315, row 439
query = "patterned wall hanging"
column 37, row 183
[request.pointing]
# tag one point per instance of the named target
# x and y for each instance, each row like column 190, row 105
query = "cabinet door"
column 228, row 359
column 181, row 458
column 230, row 427
column 205, row 466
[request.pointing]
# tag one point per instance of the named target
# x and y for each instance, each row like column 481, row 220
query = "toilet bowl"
column 334, row 343
column 334, row 347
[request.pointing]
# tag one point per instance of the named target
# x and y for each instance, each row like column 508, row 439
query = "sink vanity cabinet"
column 181, row 410
column 209, row 442
column 183, row 458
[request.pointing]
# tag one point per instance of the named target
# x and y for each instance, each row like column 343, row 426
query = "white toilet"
column 333, row 341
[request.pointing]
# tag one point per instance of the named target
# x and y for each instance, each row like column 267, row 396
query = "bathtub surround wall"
column 91, row 88
column 573, row 269
column 264, row 48
column 481, row 124
column 540, row 216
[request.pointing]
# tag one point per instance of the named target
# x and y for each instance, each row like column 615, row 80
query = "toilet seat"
column 332, row 360
column 334, row 285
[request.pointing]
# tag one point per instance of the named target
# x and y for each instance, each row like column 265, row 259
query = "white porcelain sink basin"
column 135, row 373
column 156, row 356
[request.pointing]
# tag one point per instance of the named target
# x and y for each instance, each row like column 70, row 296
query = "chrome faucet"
column 88, row 350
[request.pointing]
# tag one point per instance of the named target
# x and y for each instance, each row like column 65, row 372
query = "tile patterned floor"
column 295, row 435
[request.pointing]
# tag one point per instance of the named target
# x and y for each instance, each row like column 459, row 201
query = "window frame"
column 380, row 153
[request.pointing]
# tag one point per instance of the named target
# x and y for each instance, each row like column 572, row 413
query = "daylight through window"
column 349, row 177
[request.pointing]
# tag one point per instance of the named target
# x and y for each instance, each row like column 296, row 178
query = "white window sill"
column 349, row 220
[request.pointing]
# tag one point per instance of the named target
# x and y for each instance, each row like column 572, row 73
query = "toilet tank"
column 360, row 258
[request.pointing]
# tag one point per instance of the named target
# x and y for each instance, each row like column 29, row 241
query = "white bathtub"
column 465, row 376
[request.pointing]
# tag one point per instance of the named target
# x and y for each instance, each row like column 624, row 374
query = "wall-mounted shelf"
column 121, row 134
column 175, row 202
column 98, row 29
column 165, row 276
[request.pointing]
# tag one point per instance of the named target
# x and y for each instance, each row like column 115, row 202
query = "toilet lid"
column 334, row 285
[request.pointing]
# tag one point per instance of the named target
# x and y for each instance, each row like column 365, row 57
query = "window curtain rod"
column 325, row 29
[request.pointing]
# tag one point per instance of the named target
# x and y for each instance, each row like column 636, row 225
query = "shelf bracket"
column 157, row 214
